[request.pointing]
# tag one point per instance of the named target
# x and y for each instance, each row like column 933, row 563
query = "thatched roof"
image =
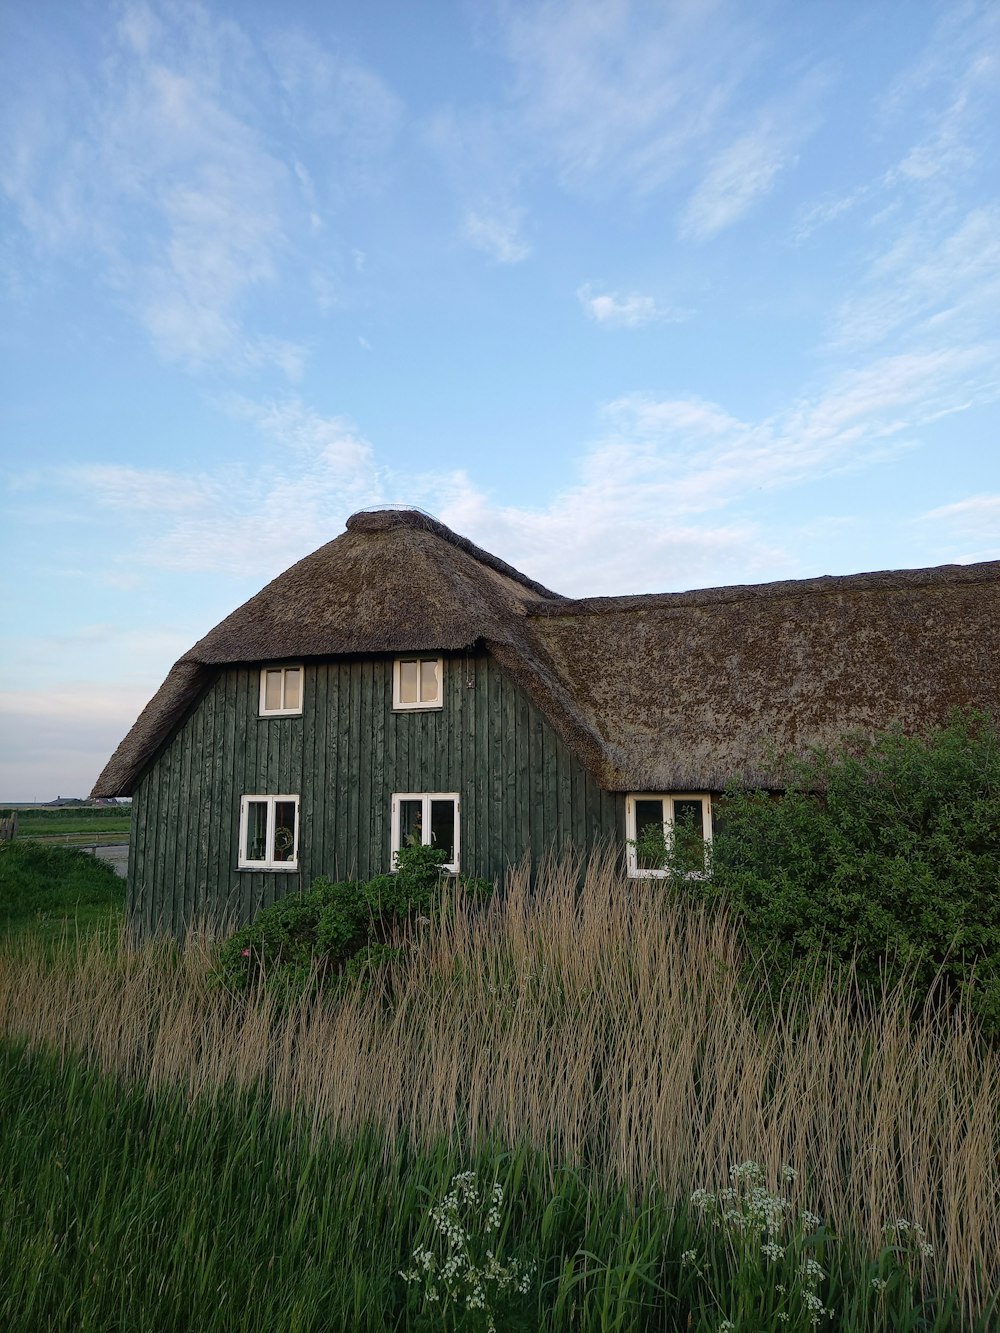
column 676, row 691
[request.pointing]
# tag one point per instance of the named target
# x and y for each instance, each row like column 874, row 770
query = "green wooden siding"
column 521, row 789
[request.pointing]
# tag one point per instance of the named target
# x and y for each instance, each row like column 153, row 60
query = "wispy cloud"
column 631, row 310
column 929, row 282
column 118, row 486
column 165, row 173
column 496, row 230
column 972, row 524
column 736, row 179
column 617, row 94
column 627, row 99
column 673, row 473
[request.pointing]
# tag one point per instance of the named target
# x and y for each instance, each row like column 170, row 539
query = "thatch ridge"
column 824, row 584
column 385, row 519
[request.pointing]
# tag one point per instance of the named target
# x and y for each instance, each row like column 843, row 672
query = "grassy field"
column 74, row 824
column 196, row 1160
column 55, row 893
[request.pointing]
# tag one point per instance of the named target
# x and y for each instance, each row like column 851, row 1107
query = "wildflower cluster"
column 460, row 1268
column 909, row 1238
column 759, row 1224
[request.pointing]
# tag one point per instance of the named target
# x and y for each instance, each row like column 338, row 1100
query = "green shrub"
column 336, row 932
column 886, row 851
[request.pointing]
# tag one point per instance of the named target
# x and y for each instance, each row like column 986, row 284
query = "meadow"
column 73, row 825
column 608, row 1059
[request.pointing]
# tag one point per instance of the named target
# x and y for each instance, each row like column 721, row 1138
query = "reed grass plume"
column 612, row 1026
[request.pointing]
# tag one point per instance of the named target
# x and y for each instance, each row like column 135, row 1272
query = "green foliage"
column 53, row 890
column 885, row 851
column 335, row 933
column 128, row 1209
column 682, row 855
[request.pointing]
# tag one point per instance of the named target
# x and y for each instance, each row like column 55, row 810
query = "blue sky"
column 640, row 296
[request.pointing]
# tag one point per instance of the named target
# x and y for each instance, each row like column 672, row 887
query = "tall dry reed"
column 614, row 1027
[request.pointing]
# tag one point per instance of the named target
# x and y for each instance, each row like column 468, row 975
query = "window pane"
column 410, row 831
column 256, row 848
column 272, row 690
column 689, row 837
column 284, row 830
column 650, row 850
column 292, row 688
column 429, row 689
column 408, row 683
column 443, row 826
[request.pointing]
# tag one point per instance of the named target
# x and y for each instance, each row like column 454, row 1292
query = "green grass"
column 56, row 892
column 72, row 820
column 85, row 829
column 127, row 1210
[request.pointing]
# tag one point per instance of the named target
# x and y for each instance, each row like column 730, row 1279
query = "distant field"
column 78, row 824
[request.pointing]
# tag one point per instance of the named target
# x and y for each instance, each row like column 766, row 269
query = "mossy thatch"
column 676, row 691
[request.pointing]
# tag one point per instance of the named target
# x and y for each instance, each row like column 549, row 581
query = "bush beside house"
column 884, row 851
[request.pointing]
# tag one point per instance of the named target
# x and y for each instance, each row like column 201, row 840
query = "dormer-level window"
column 280, row 691
column 418, row 682
column 668, row 832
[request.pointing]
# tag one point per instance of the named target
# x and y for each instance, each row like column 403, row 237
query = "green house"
column 400, row 684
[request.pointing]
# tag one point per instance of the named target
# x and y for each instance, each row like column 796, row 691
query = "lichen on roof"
column 655, row 692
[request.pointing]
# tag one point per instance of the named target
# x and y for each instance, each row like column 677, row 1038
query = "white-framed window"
column 418, row 682
column 674, row 825
column 429, row 819
column 269, row 833
column 280, row 691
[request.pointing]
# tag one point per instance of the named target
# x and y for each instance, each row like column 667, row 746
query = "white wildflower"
column 812, row 1271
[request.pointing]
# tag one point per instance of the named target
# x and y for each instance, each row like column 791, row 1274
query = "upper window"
column 269, row 833
column 418, row 682
column 429, row 819
column 669, row 832
column 280, row 691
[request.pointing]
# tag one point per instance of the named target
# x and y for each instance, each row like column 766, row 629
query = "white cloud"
column 618, row 93
column 736, row 179
column 624, row 311
column 332, row 97
column 496, row 230
column 973, row 524
column 118, row 486
column 930, row 282
column 157, row 166
column 677, row 475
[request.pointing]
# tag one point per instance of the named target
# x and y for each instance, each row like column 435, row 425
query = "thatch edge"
column 184, row 686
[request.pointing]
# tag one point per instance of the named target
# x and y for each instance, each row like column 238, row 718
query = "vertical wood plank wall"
column 521, row 788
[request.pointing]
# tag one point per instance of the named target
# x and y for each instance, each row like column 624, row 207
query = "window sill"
column 283, row 868
column 666, row 874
